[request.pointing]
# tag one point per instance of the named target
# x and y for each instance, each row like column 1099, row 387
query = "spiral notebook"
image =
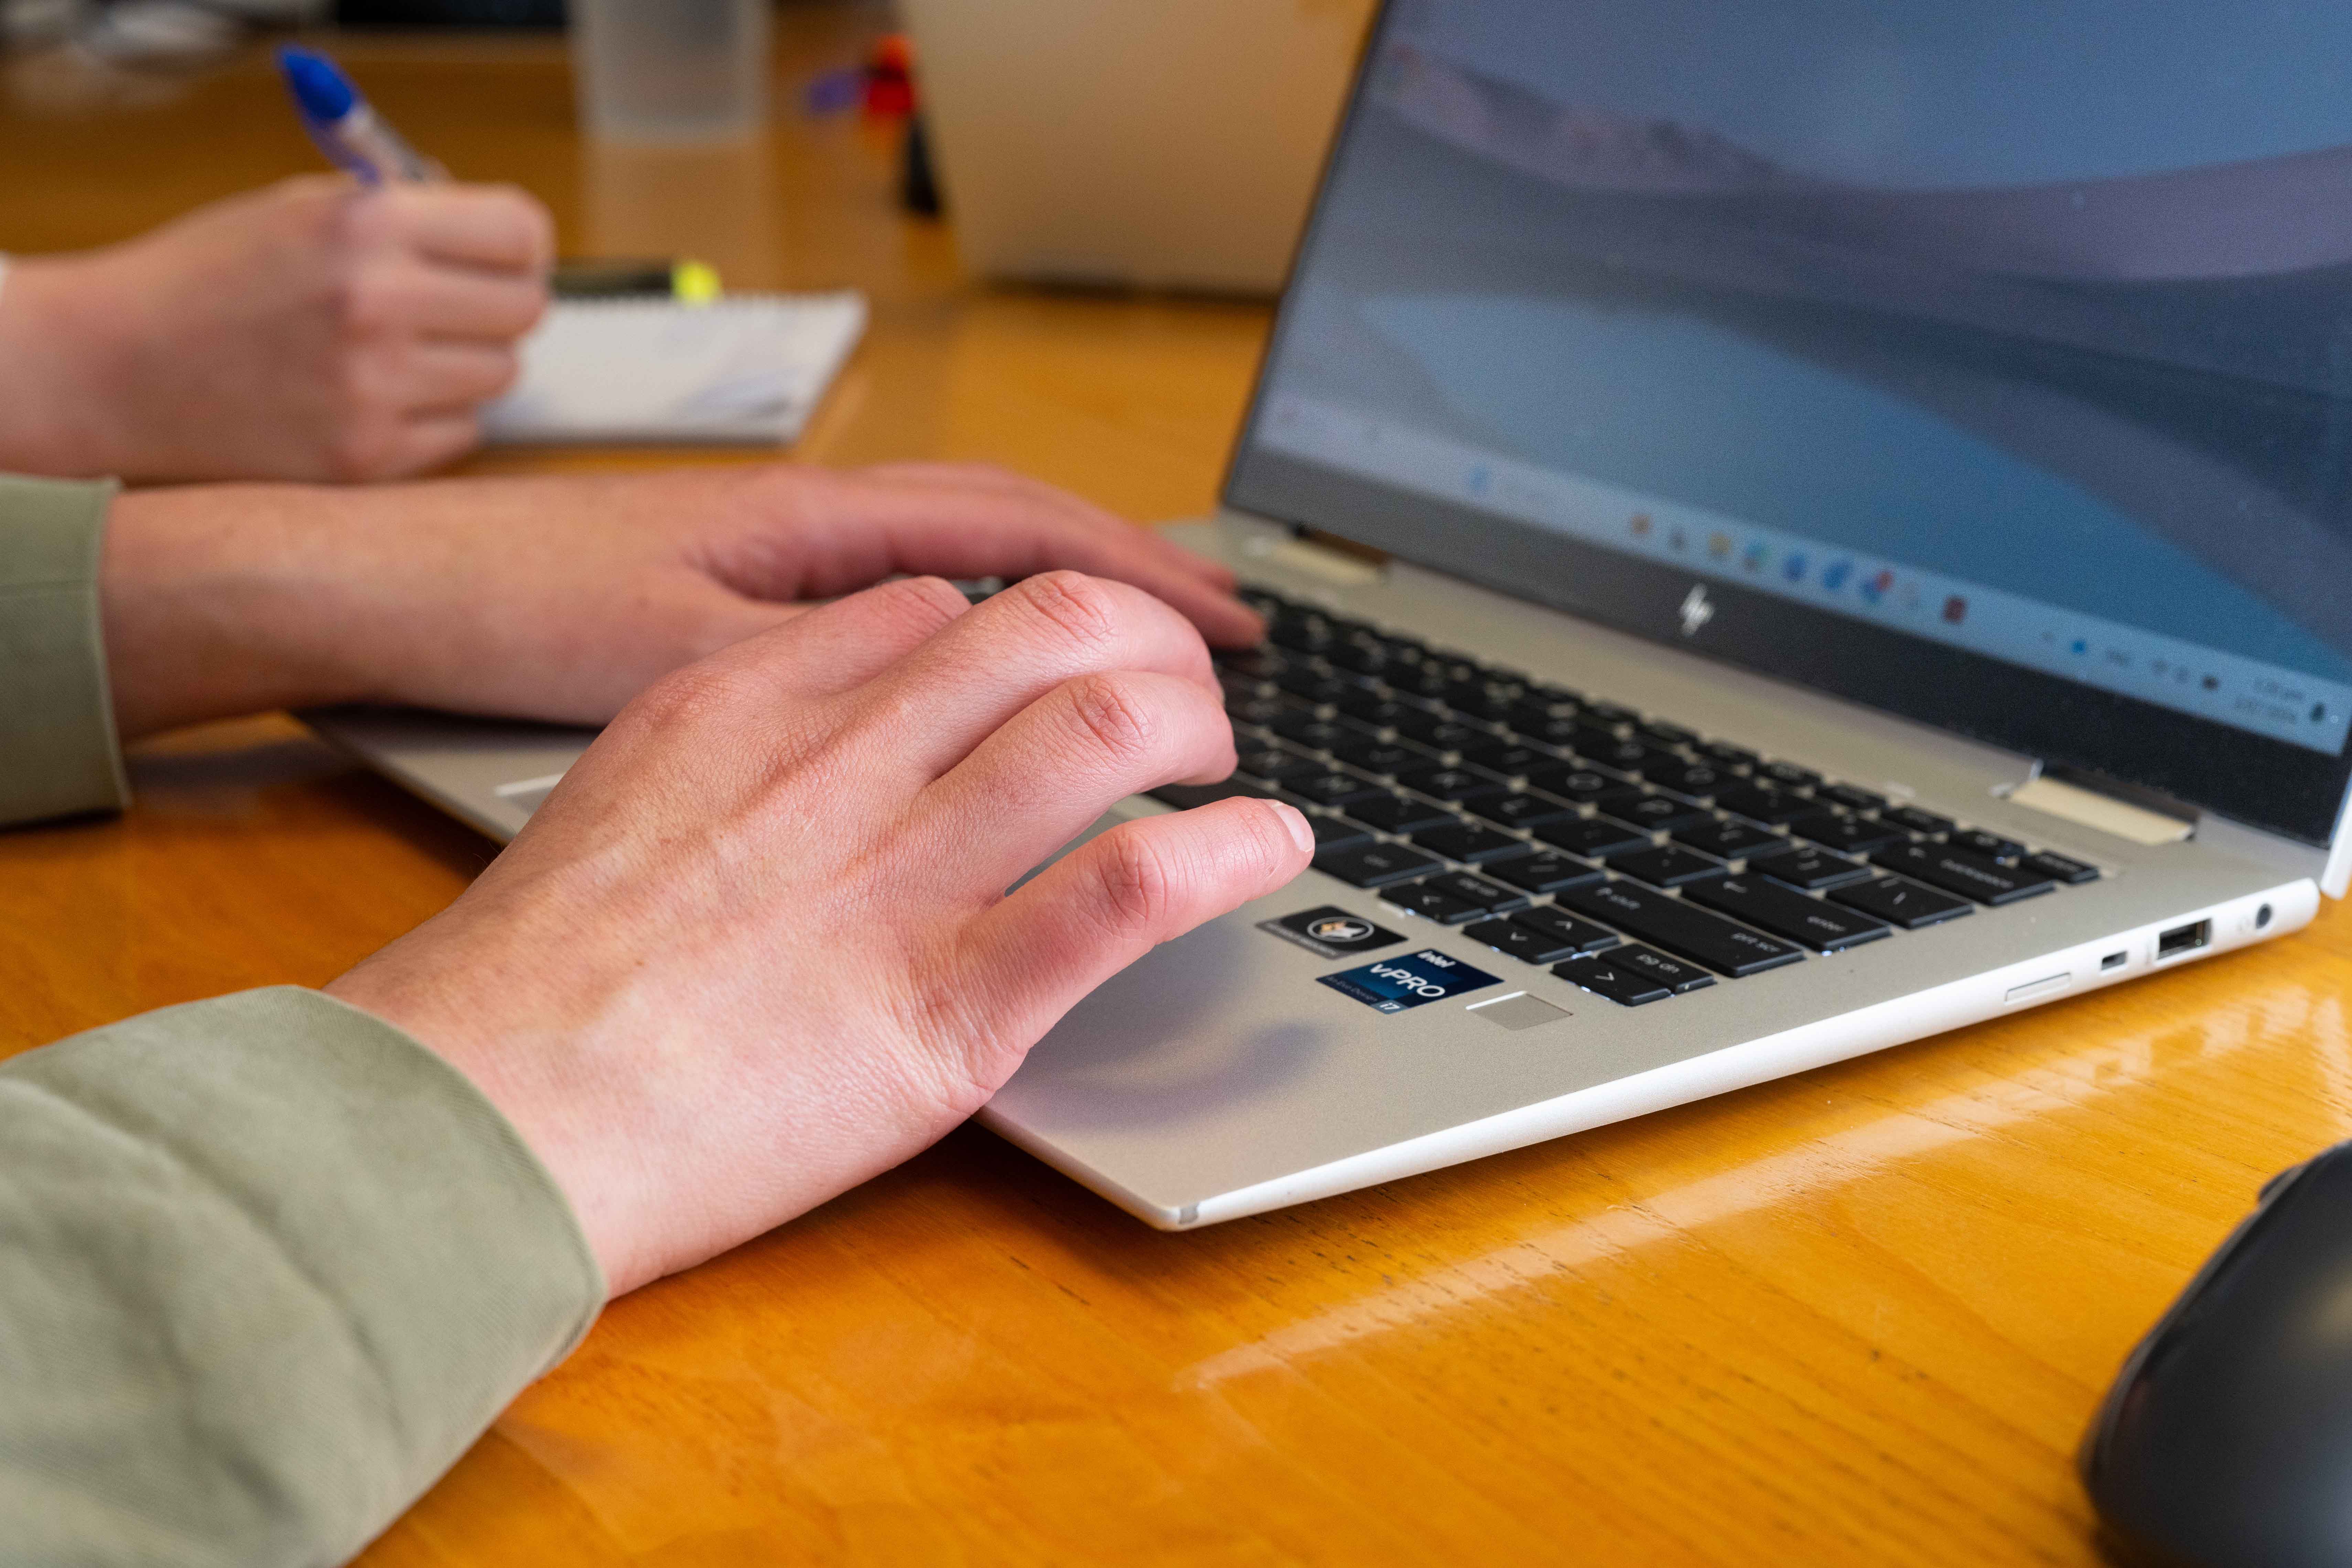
column 750, row 368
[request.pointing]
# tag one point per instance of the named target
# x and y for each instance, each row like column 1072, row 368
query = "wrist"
column 57, row 340
column 217, row 600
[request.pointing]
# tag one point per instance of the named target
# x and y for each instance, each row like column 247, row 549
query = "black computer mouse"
column 2227, row 1440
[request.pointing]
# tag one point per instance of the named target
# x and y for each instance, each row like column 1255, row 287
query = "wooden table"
column 1855, row 1317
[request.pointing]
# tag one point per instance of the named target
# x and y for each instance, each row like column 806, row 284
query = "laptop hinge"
column 2142, row 818
column 1326, row 557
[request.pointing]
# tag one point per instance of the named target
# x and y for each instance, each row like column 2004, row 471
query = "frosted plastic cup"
column 670, row 70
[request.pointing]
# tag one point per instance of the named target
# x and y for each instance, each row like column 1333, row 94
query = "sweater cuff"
column 355, row 1257
column 57, row 748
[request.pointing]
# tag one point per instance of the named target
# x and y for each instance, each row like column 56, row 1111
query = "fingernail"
column 1300, row 834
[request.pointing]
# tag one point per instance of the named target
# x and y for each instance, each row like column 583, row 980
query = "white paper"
column 746, row 368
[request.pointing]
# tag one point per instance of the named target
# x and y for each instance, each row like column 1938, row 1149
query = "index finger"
column 495, row 226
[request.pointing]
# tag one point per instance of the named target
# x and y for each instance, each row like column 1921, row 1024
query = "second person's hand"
column 315, row 329
column 558, row 599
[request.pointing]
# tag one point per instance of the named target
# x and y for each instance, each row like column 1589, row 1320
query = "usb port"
column 2183, row 938
column 2114, row 960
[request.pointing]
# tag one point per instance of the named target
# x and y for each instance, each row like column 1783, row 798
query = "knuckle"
column 689, row 698
column 928, row 603
column 1113, row 712
column 1138, row 884
column 1082, row 610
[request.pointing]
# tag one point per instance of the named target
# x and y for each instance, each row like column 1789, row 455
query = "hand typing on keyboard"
column 756, row 948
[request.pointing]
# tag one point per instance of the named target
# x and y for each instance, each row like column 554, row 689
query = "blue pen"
column 346, row 130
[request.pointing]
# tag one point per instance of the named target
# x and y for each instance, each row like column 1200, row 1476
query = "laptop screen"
column 1987, row 361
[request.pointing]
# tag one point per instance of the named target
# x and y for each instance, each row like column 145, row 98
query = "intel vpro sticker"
column 1331, row 932
column 1392, row 985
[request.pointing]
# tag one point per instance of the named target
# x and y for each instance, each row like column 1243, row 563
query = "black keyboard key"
column 1420, row 681
column 1629, row 757
column 1362, row 654
column 1658, row 813
column 1912, row 820
column 1510, row 758
column 1249, row 662
column 1400, row 814
column 1301, row 631
column 1788, row 775
column 1729, row 840
column 1366, row 706
column 1622, row 983
column 1907, row 904
column 1850, row 797
column 1680, row 928
column 1768, row 905
column 1536, row 712
column 1854, row 834
column 1479, row 700
column 1697, row 781
column 1452, row 735
column 1664, row 733
column 1522, row 943
column 1261, row 710
column 1376, row 756
column 1668, row 866
column 1593, row 837
column 1521, row 810
column 1724, row 754
column 1581, row 785
column 1375, row 865
column 2061, row 867
column 1318, row 734
column 1184, row 796
column 1802, row 866
column 1467, row 841
column 1336, row 832
column 1958, row 871
column 1767, row 806
column 1991, row 845
column 1610, row 713
column 1558, row 730
column 1542, row 872
column 1275, row 764
column 1579, row 936
column 1432, row 904
column 1305, row 683
column 1671, row 973
column 1419, row 724
column 1332, row 788
column 1477, row 890
column 1451, row 783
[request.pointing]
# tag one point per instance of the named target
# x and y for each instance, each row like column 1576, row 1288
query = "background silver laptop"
column 1866, row 548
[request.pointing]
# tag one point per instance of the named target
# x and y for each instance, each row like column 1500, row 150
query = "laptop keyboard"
column 1629, row 855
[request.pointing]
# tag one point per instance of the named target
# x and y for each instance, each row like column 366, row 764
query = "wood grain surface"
column 1855, row 1317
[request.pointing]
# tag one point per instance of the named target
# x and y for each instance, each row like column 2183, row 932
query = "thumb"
column 1105, row 905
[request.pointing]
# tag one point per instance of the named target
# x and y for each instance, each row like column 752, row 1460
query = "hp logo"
column 1697, row 611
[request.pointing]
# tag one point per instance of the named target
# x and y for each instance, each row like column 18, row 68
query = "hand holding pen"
column 308, row 331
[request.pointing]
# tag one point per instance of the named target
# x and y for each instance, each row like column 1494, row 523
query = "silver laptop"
column 1168, row 143
column 1784, row 533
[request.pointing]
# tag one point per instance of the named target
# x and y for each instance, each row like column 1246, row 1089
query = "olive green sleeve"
column 267, row 1268
column 57, row 750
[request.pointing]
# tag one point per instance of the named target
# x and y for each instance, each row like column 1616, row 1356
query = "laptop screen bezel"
column 2252, row 779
